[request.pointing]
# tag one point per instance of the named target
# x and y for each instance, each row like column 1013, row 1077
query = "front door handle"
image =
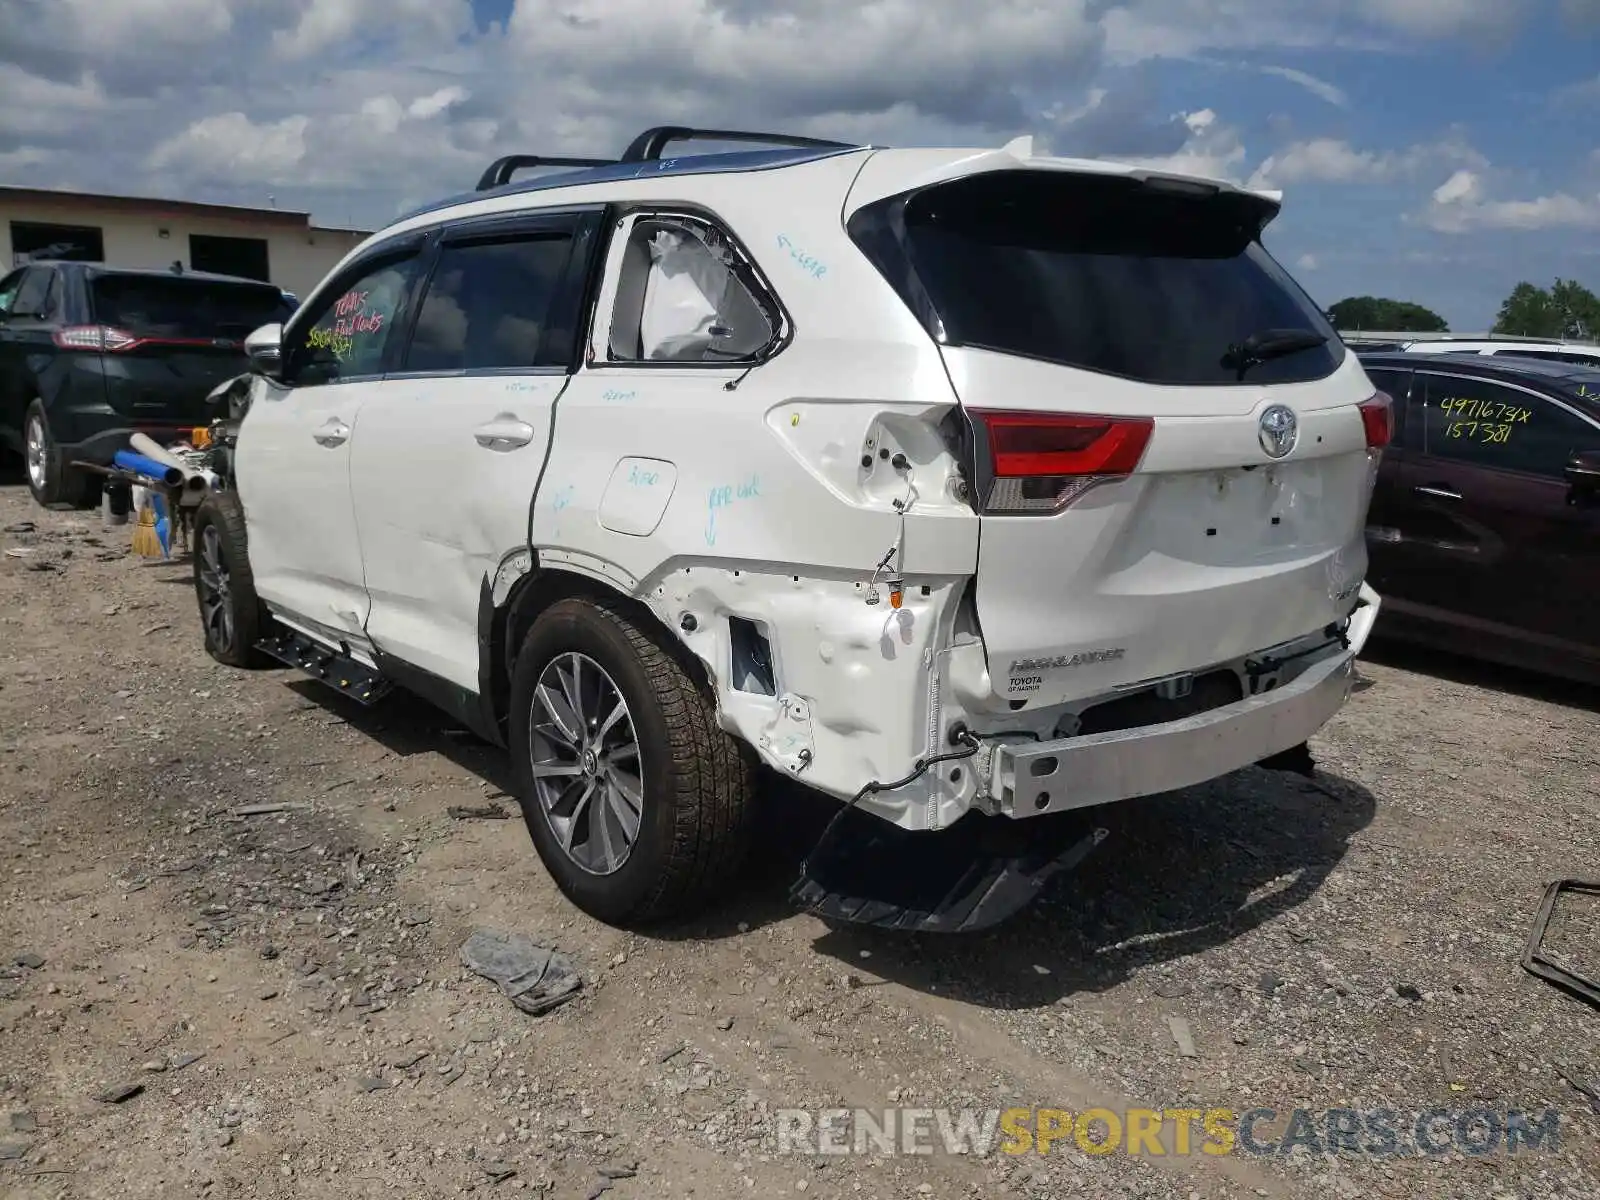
column 506, row 432
column 1436, row 491
column 334, row 432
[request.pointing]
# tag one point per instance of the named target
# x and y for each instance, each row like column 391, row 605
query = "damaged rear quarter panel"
column 773, row 518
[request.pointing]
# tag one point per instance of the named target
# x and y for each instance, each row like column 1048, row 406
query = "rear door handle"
column 334, row 432
column 506, row 432
column 1437, row 491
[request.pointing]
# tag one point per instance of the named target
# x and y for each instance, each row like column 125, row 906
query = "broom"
column 149, row 532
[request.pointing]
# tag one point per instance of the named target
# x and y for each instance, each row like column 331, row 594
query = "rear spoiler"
column 945, row 167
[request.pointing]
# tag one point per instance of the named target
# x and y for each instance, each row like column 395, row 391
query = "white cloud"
column 1325, row 160
column 1444, row 18
column 326, row 25
column 1307, row 262
column 1213, row 150
column 1462, row 204
column 1317, row 87
column 1334, row 160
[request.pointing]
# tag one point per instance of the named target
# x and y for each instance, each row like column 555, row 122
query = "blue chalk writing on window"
column 726, row 495
column 806, row 262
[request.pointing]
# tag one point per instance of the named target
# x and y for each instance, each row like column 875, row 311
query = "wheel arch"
column 511, row 600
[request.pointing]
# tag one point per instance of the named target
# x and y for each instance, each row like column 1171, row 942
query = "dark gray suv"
column 90, row 353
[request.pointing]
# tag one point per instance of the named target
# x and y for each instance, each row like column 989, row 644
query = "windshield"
column 1107, row 274
column 185, row 308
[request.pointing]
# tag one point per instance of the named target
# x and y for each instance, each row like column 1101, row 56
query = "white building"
column 273, row 244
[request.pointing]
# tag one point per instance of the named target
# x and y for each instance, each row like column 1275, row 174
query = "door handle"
column 506, row 432
column 1437, row 491
column 334, row 432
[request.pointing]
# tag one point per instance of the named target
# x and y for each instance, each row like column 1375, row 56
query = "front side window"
column 347, row 339
column 685, row 293
column 1490, row 425
column 495, row 304
column 1106, row 274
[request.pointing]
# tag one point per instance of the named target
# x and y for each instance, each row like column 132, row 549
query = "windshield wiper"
column 1269, row 344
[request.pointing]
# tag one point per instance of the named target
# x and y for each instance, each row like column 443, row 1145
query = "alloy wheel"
column 585, row 763
column 216, row 591
column 36, row 452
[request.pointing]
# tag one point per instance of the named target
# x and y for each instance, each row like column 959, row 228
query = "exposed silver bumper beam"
column 1035, row 778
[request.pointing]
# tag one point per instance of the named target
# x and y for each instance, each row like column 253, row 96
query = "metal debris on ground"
column 1589, row 1090
column 534, row 977
column 120, row 1092
column 1534, row 960
column 262, row 810
column 1182, row 1036
column 486, row 812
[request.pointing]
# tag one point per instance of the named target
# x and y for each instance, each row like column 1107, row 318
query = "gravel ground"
column 284, row 989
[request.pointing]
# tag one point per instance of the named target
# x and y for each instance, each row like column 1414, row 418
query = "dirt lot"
column 1348, row 942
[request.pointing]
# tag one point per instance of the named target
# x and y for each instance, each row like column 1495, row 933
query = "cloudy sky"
column 1432, row 150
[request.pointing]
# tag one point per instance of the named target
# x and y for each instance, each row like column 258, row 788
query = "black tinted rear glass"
column 1109, row 275
column 184, row 308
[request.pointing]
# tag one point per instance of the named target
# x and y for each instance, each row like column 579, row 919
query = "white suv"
column 940, row 481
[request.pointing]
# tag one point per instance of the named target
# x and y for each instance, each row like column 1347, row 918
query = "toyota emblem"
column 1279, row 430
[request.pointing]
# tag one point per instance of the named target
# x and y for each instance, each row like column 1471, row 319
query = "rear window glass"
column 185, row 308
column 1105, row 274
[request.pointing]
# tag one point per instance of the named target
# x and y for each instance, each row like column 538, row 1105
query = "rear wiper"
column 1269, row 344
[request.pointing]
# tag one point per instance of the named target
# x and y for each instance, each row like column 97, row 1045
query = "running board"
column 333, row 667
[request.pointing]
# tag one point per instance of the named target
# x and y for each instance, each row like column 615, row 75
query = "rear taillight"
column 1377, row 418
column 95, row 337
column 1042, row 462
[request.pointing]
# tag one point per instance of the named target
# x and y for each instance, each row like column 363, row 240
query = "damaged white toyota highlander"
column 970, row 489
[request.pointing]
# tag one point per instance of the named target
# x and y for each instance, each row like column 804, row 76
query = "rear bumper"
column 1035, row 778
column 102, row 446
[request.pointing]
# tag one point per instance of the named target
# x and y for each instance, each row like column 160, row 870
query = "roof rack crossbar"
column 648, row 145
column 501, row 170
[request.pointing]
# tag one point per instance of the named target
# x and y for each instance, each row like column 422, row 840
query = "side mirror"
column 1583, row 473
column 264, row 348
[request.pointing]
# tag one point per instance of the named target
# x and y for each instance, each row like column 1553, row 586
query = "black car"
column 90, row 353
column 1483, row 535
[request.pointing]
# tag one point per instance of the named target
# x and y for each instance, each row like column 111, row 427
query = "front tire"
column 637, row 802
column 50, row 480
column 231, row 614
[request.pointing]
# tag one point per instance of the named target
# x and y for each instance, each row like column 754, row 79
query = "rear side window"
column 1109, row 275
column 495, row 304
column 174, row 307
column 33, row 297
column 686, row 294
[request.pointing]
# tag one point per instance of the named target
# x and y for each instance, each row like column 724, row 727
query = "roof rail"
column 648, row 145
column 499, row 172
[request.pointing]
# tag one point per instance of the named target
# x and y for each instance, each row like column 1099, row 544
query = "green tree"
column 1373, row 312
column 1565, row 310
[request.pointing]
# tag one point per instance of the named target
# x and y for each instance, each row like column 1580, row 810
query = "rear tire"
column 684, row 787
column 50, row 480
column 231, row 615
